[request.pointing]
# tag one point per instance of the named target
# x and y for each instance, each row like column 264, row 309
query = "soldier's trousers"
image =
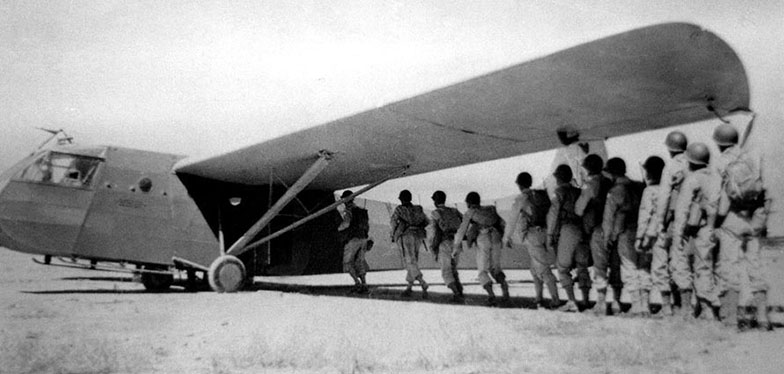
column 681, row 251
column 606, row 262
column 704, row 270
column 409, row 245
column 448, row 264
column 633, row 269
column 488, row 256
column 541, row 260
column 739, row 266
column 660, row 261
column 572, row 253
column 354, row 261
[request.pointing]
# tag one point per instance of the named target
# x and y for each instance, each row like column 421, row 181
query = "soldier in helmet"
column 408, row 224
column 646, row 222
column 743, row 206
column 444, row 222
column 695, row 218
column 658, row 236
column 354, row 233
column 564, row 236
column 488, row 228
column 572, row 154
column 619, row 228
column 590, row 206
column 530, row 213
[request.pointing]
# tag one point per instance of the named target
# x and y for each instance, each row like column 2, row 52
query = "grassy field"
column 70, row 321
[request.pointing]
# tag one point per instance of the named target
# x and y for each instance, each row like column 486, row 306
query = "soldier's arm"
column 611, row 206
column 645, row 217
column 552, row 215
column 432, row 228
column 347, row 215
column 501, row 220
column 665, row 189
column 683, row 205
column 461, row 231
column 515, row 218
column 586, row 195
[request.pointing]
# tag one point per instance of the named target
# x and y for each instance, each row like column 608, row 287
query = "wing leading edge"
column 648, row 78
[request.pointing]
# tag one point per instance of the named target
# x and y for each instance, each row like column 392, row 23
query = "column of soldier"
column 691, row 231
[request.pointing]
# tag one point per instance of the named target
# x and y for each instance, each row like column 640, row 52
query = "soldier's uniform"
column 489, row 230
column 354, row 234
column 590, row 206
column 444, row 223
column 619, row 226
column 665, row 252
column 740, row 268
column 696, row 207
column 564, row 226
column 533, row 233
column 646, row 224
column 408, row 224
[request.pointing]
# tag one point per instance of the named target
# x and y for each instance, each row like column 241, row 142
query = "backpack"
column 540, row 205
column 743, row 182
column 450, row 220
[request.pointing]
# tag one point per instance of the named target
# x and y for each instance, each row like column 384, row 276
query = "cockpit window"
column 62, row 169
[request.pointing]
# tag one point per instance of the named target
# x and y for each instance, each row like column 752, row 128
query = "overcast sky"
column 199, row 78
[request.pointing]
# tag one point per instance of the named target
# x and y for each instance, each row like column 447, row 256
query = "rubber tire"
column 157, row 282
column 226, row 274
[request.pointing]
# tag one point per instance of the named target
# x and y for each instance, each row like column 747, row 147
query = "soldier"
column 659, row 236
column 483, row 225
column 354, row 234
column 744, row 206
column 564, row 237
column 590, row 206
column 619, row 227
column 530, row 211
column 646, row 223
column 408, row 224
column 695, row 217
column 572, row 154
column 444, row 222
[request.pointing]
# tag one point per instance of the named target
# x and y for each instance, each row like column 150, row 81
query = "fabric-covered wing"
column 648, row 78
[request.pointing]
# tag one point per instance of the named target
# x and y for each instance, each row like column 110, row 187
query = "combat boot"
column 615, row 305
column 600, row 308
column 635, row 310
column 406, row 292
column 686, row 312
column 705, row 310
column 586, row 293
column 424, row 286
column 505, row 292
column 728, row 311
column 645, row 307
column 490, row 294
column 555, row 300
column 743, row 322
column 761, row 302
column 666, row 309
column 457, row 296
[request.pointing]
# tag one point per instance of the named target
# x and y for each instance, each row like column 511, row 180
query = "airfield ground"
column 55, row 320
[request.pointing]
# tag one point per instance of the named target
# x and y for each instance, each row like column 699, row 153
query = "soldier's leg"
column 582, row 259
column 568, row 241
column 349, row 263
column 660, row 275
column 541, row 262
column 614, row 271
column 729, row 271
column 629, row 273
column 495, row 263
column 483, row 261
column 361, row 265
column 409, row 248
column 704, row 280
column 680, row 270
column 447, row 267
column 646, row 284
column 600, row 264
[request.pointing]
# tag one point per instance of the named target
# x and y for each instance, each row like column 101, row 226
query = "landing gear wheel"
column 157, row 282
column 227, row 274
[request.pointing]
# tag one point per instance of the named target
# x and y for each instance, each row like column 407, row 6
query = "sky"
column 200, row 78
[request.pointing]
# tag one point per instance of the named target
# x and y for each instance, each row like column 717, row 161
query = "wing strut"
column 301, row 183
column 238, row 251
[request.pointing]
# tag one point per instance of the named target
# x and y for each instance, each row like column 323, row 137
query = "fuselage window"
column 145, row 184
column 62, row 169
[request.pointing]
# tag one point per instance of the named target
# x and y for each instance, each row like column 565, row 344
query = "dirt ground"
column 56, row 320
